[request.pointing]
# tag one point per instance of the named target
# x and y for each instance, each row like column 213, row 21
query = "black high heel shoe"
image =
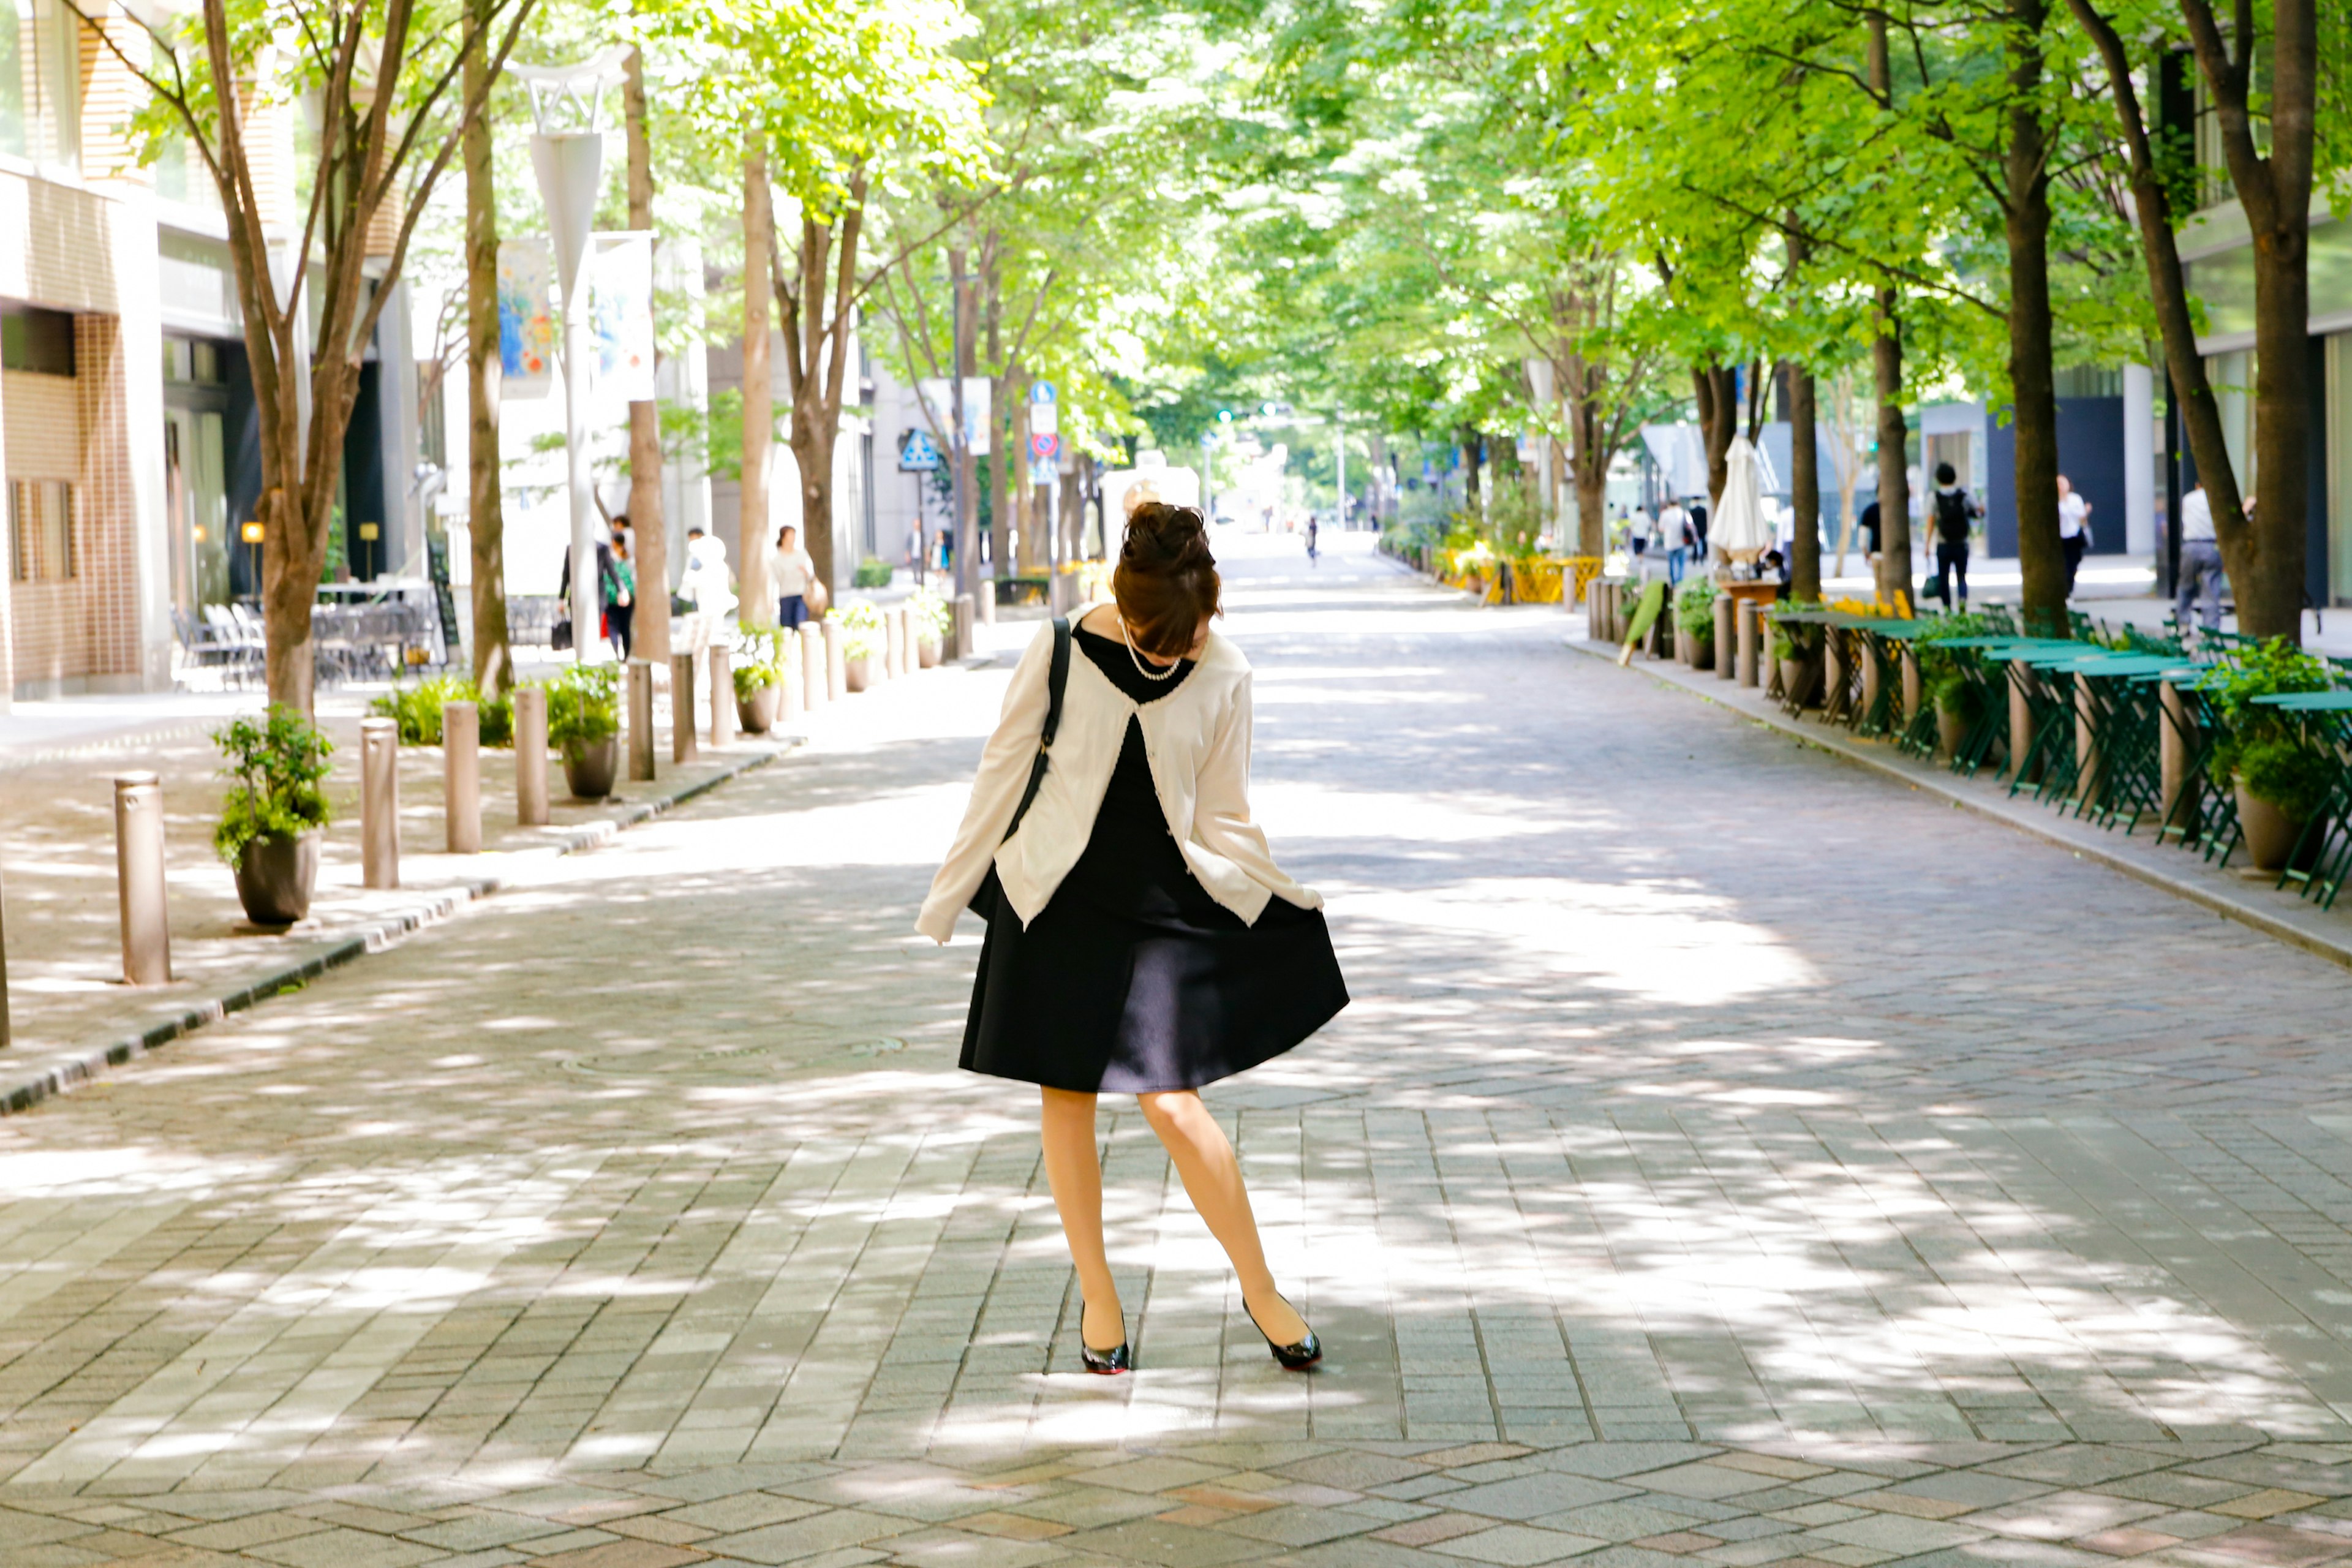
column 1103, row 1363
column 1294, row 1358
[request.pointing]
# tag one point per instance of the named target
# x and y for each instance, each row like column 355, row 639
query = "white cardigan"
column 1197, row 739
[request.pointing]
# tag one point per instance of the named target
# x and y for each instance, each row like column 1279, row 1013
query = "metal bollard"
column 640, row 678
column 792, row 701
column 987, row 601
column 531, row 755
column 139, row 879
column 2021, row 723
column 965, row 637
column 461, row 776
column 894, row 643
column 2090, row 765
column 836, row 663
column 2177, row 790
column 681, row 708
column 812, row 667
column 722, row 697
column 1744, row 615
column 379, row 802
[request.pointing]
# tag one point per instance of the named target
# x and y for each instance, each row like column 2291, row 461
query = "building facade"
column 128, row 439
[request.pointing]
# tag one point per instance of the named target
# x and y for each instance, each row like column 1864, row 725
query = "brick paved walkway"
column 1730, row 1157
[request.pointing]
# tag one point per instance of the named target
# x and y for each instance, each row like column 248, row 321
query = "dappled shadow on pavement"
column 1698, row 1089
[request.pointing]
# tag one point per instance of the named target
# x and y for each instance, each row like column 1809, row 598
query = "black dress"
column 1132, row 979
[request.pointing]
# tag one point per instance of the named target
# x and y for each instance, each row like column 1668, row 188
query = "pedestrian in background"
column 621, row 615
column 1311, row 561
column 794, row 575
column 2073, row 529
column 2200, row 562
column 1141, row 938
column 1673, row 522
column 1956, row 514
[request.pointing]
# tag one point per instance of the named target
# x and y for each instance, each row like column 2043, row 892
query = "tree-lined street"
column 1727, row 1155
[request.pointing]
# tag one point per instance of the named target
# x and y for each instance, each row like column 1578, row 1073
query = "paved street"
column 1730, row 1157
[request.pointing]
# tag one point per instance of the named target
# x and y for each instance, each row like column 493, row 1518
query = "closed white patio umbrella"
column 1739, row 532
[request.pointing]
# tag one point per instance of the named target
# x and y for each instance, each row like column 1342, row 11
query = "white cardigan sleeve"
column 1221, row 811
column 1003, row 774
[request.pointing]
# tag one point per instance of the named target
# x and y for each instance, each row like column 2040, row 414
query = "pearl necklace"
column 1137, row 658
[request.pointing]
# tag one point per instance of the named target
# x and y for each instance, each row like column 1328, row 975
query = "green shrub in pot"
column 583, row 705
column 934, row 617
column 762, row 659
column 1695, row 608
column 2291, row 775
column 863, row 635
column 277, row 768
column 2276, row 668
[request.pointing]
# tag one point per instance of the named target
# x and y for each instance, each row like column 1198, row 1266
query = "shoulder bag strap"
column 1057, row 677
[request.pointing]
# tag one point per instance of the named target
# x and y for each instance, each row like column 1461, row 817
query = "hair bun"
column 1162, row 536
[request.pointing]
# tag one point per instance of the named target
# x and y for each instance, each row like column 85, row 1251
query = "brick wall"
column 61, row 427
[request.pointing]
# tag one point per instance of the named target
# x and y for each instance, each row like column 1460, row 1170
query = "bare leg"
column 1212, row 1180
column 1074, row 1169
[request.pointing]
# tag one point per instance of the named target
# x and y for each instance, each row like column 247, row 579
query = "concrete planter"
column 1798, row 679
column 926, row 651
column 859, row 673
column 590, row 768
column 1702, row 652
column 1951, row 729
column 275, row 876
column 2271, row 834
column 756, row 714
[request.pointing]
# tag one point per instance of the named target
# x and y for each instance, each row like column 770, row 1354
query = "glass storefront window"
column 2225, row 283
column 40, row 107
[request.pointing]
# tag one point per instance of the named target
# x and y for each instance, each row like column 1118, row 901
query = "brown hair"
column 1166, row 581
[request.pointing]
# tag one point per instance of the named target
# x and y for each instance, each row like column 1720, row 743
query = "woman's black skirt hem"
column 1125, row 994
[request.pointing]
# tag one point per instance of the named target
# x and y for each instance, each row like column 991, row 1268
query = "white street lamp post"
column 567, row 153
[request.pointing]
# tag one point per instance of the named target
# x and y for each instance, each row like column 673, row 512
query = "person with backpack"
column 1955, row 512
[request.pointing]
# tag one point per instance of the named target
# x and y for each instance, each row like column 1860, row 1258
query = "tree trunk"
column 1717, row 388
column 289, row 585
column 484, row 497
column 1472, row 500
column 2040, row 558
column 1588, row 466
column 1893, row 478
column 1028, row 534
column 1895, row 585
column 967, row 478
column 1804, row 489
column 1000, row 460
column 1072, row 517
column 2264, row 555
column 752, row 536
column 647, row 522
column 2192, row 391
column 813, row 454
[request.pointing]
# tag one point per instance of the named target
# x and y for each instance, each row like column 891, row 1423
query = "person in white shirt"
column 2200, row 562
column 2073, row 529
column 791, row 571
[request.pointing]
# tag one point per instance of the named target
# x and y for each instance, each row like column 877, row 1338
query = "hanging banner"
column 621, row 315
column 939, row 395
column 526, row 318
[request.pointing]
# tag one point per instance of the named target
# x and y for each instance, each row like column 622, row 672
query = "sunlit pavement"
column 1729, row 1156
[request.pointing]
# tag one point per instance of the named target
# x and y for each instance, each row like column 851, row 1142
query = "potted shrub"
column 1694, row 622
column 2281, row 786
column 1956, row 701
column 759, row 678
column 2280, row 777
column 583, row 722
column 275, row 814
column 1795, row 652
column 863, row 640
column 934, row 624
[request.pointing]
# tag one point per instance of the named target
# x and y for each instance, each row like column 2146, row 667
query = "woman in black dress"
column 1141, row 938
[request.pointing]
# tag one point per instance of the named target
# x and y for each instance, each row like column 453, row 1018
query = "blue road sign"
column 918, row 453
column 1041, row 392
